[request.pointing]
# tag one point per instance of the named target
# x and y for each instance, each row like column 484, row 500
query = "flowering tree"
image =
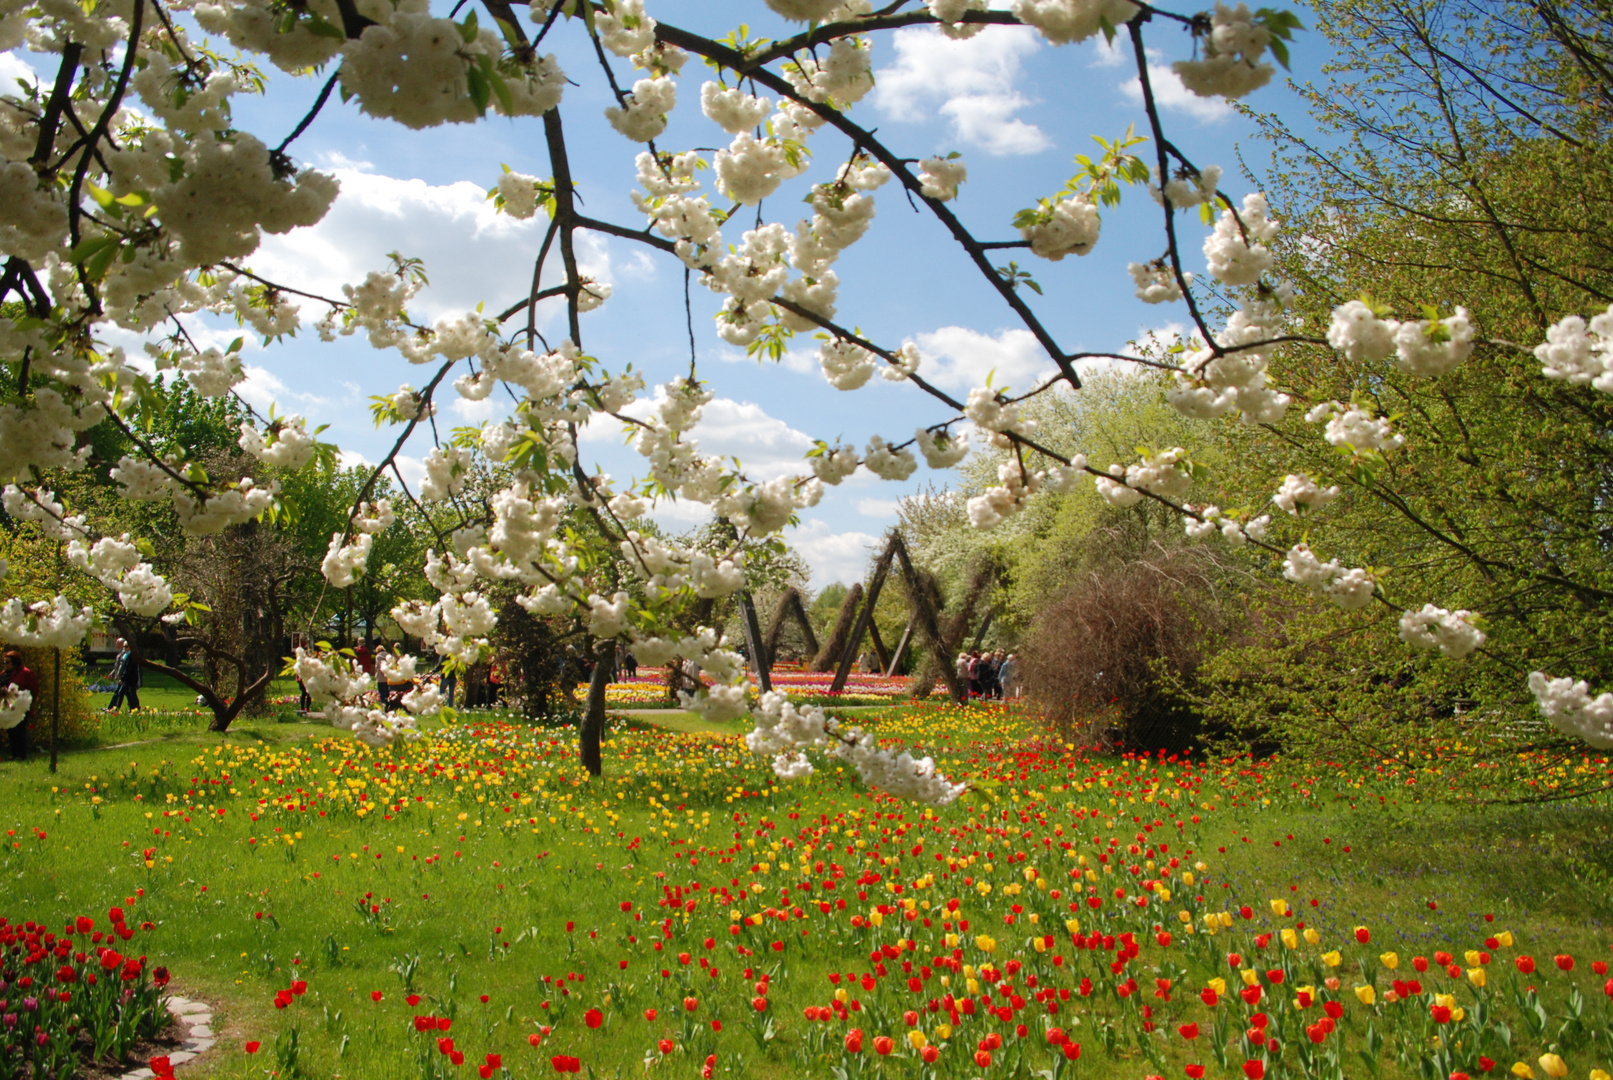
column 133, row 202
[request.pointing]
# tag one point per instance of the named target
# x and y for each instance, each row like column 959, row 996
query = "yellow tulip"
column 1219, row 986
column 1598, row 1074
column 1311, row 936
column 1040, row 944
column 916, row 1040
column 1477, row 977
column 985, row 944
column 841, row 995
column 1390, row 960
column 1279, row 908
column 1290, row 939
column 1505, row 938
column 1365, row 994
column 1072, row 925
column 1458, row 1015
column 944, row 1030
column 1332, row 959
column 1554, row 1066
column 1523, row 1072
column 1249, row 977
column 1447, row 1000
column 1187, row 878
column 1472, row 957
column 1226, row 920
column 1185, row 916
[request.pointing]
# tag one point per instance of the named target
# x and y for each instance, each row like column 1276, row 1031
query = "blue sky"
column 1017, row 108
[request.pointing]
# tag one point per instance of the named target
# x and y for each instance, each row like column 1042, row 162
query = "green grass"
column 475, row 899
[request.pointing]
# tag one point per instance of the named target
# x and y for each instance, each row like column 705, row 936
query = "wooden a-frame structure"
column 856, row 620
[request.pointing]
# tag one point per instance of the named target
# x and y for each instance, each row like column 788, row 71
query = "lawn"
column 475, row 894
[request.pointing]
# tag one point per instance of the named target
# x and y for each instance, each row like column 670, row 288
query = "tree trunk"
column 592, row 728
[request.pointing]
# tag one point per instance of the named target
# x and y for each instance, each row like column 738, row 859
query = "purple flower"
column 30, row 1004
column 10, row 1020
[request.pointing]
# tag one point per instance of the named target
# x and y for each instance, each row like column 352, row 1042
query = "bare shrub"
column 1105, row 660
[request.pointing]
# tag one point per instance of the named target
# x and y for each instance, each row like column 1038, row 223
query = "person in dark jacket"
column 126, row 673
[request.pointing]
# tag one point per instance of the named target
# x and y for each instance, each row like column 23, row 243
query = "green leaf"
column 1279, row 52
column 102, row 196
column 321, row 27
column 87, row 247
column 96, row 265
column 468, row 29
column 481, row 92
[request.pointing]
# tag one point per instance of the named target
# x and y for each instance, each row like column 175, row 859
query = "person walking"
column 126, row 673
column 1008, row 676
column 446, row 683
column 23, row 678
column 383, row 689
column 115, row 676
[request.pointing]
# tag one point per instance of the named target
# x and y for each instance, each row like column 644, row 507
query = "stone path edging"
column 197, row 1017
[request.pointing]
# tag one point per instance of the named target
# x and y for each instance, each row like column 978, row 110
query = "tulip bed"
column 69, row 996
column 472, row 904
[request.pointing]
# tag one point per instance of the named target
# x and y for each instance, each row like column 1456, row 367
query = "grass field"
column 688, row 909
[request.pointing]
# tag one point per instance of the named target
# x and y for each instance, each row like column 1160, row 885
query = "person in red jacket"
column 23, row 678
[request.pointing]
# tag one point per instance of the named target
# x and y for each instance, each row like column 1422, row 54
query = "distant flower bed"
column 648, row 689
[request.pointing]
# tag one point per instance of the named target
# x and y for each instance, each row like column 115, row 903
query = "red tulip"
column 252, row 1047
column 1254, row 1070
column 593, row 1018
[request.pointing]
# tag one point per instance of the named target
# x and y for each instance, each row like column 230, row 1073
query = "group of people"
column 989, row 675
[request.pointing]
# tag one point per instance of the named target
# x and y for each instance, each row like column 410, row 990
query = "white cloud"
column 878, row 508
column 12, row 68
column 474, row 412
column 1109, row 54
column 802, row 363
column 973, row 82
column 833, row 555
column 1153, row 341
column 1172, row 96
column 765, row 445
column 352, row 459
column 412, row 470
column 959, row 358
column 263, row 388
column 472, row 254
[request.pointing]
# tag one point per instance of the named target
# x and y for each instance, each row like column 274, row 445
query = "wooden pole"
column 55, row 705
column 901, row 649
column 864, row 618
column 980, row 635
column 759, row 660
column 881, row 653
